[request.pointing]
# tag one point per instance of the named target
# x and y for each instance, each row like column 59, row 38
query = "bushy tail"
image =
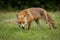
column 48, row 19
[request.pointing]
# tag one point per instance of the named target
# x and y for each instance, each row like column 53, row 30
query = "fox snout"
column 22, row 24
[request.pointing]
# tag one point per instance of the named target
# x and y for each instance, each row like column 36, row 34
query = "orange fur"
column 28, row 15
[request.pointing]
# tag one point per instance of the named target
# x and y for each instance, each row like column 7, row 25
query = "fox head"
column 21, row 19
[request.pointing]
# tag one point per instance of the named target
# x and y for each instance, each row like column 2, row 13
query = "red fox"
column 33, row 14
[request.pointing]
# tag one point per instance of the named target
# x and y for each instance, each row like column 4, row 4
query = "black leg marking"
column 38, row 23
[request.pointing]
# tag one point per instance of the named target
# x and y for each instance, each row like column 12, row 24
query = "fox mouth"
column 22, row 27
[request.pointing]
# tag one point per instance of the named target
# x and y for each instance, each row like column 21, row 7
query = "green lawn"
column 11, row 31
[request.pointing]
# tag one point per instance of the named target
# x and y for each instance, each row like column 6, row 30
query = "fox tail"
column 48, row 19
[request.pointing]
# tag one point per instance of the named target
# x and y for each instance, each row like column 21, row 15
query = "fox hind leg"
column 37, row 21
column 47, row 21
column 51, row 25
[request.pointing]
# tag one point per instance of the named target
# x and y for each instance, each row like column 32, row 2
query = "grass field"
column 11, row 31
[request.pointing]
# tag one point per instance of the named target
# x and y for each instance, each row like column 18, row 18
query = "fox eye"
column 23, row 22
column 19, row 22
column 24, row 16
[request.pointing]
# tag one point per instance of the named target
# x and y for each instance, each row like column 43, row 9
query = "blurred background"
column 11, row 31
column 22, row 4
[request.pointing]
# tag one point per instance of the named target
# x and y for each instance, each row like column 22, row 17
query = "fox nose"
column 22, row 27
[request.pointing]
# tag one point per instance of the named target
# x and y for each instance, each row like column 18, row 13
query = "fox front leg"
column 29, row 25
